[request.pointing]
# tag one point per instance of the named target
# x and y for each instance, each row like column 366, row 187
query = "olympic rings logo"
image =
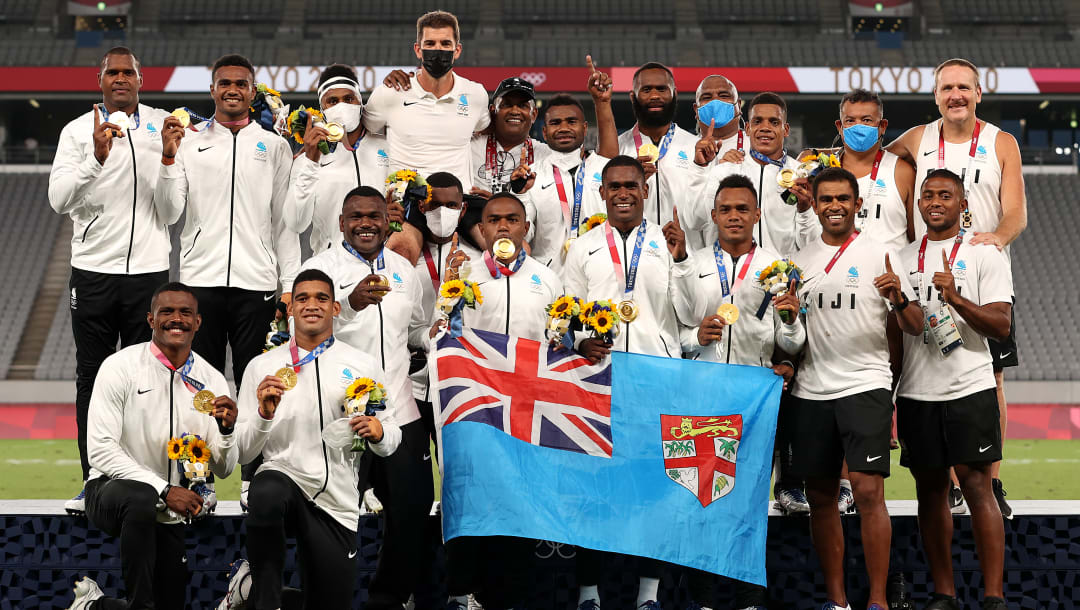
column 536, row 78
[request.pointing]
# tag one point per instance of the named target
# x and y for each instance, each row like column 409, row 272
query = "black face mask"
column 437, row 62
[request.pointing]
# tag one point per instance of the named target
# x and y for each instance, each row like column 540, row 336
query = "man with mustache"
column 103, row 178
column 381, row 304
column 569, row 178
column 496, row 156
column 633, row 262
column 988, row 160
column 144, row 396
column 654, row 100
column 429, row 123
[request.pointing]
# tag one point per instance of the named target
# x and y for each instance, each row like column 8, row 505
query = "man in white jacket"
column 145, row 395
column 103, row 178
column 233, row 178
column 306, row 486
column 377, row 319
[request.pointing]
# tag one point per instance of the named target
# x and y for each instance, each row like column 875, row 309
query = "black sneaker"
column 897, row 594
column 994, row 603
column 1006, row 510
column 943, row 602
column 956, row 501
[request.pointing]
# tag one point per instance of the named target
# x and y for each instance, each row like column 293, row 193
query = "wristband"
column 903, row 304
column 168, row 160
column 165, row 492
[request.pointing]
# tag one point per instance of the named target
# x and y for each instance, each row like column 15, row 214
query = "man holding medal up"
column 293, row 411
column 624, row 259
column 381, row 303
column 946, row 406
column 103, row 178
column 145, row 396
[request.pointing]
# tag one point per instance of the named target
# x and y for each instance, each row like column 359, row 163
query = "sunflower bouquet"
column 599, row 318
column 364, row 396
column 776, row 280
column 409, row 188
column 811, row 164
column 191, row 455
column 297, row 126
column 564, row 317
column 591, row 223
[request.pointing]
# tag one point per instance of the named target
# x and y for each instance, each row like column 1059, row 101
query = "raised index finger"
column 675, row 216
column 709, row 129
column 589, row 63
column 945, row 261
column 453, row 242
column 888, row 265
column 97, row 118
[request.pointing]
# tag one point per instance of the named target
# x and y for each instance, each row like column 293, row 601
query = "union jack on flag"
column 523, row 387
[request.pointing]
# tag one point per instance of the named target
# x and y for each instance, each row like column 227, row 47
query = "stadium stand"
column 1003, row 11
column 212, row 11
column 758, row 11
column 18, row 11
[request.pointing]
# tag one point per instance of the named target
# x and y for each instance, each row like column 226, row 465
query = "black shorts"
column 1004, row 352
column 939, row 434
column 856, row 427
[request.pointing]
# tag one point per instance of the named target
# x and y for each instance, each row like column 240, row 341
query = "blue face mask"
column 860, row 138
column 717, row 111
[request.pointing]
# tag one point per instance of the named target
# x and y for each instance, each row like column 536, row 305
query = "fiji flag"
column 656, row 457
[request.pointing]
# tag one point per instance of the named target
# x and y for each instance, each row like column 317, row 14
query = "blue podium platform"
column 42, row 552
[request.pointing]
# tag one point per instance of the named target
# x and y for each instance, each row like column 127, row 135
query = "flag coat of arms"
column 655, row 457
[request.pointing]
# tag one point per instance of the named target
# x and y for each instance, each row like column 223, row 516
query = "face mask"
column 442, row 221
column 718, row 111
column 437, row 62
column 860, row 138
column 344, row 114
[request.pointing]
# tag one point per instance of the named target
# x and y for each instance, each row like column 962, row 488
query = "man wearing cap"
column 497, row 155
column 430, row 118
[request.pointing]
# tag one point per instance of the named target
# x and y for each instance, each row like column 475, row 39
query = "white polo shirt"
column 430, row 134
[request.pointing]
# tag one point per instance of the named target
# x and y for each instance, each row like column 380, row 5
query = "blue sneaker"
column 792, row 501
column 209, row 496
column 876, row 607
column 77, row 505
column 652, row 604
column 845, row 501
column 832, row 606
column 589, row 604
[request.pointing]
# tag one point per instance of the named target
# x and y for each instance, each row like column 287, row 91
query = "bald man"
column 717, row 103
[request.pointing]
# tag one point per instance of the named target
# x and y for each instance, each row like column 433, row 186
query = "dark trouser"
column 785, row 432
column 326, row 549
column 403, row 484
column 590, row 566
column 496, row 568
column 105, row 307
column 151, row 554
column 241, row 319
column 702, row 590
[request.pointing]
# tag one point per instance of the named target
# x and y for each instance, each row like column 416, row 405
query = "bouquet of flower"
column 269, row 111
column 591, row 223
column 776, row 280
column 599, row 317
column 363, row 397
column 191, row 455
column 297, row 124
column 409, row 188
column 455, row 296
column 564, row 317
column 810, row 165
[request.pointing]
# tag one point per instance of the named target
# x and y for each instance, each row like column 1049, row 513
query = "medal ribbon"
column 192, row 384
column 971, row 152
column 297, row 362
column 572, row 216
column 626, row 279
column 836, row 257
column 764, row 159
column 498, row 270
column 433, row 271
column 738, row 144
column 380, row 262
column 105, row 116
column 718, row 254
column 491, row 158
column 663, row 143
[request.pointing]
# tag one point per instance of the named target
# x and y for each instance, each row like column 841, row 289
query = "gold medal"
column 334, row 132
column 203, row 401
column 649, row 150
column 503, row 249
column 729, row 312
column 183, row 116
column 287, row 376
column 566, row 246
column 120, row 120
column 627, row 310
column 786, row 178
column 381, row 280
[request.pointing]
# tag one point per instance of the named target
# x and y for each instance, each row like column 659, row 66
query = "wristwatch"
column 165, row 492
column 902, row 304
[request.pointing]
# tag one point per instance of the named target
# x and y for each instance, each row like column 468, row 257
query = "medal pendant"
column 729, row 312
column 287, row 376
column 183, row 116
column 649, row 150
column 965, row 218
column 334, row 132
column 786, row 178
column 627, row 311
column 202, row 402
column 383, row 282
column 503, row 249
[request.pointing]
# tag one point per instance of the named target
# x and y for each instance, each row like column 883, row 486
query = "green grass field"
column 1033, row 470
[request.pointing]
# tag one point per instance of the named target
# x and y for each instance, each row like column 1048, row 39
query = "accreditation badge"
column 940, row 327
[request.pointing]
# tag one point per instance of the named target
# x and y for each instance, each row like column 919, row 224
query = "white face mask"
column 345, row 114
column 442, row 221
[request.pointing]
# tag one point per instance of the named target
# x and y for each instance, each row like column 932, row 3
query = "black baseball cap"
column 514, row 84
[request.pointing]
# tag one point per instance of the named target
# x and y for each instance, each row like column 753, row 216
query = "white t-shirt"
column 883, row 215
column 982, row 276
column 846, row 349
column 430, row 134
column 506, row 161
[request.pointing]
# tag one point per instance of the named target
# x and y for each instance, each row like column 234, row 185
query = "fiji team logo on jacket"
column 260, row 151
column 463, row 105
column 682, row 160
column 700, row 453
column 853, row 277
column 959, row 270
column 152, row 131
column 384, row 159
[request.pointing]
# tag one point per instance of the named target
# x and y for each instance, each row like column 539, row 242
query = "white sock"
column 461, row 599
column 647, row 589
column 587, row 592
column 845, row 483
column 244, row 485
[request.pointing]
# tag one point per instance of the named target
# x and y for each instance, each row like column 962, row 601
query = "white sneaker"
column 372, row 503
column 473, row 604
column 239, row 586
column 77, row 505
column 86, row 592
column 209, row 496
column 244, row 495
